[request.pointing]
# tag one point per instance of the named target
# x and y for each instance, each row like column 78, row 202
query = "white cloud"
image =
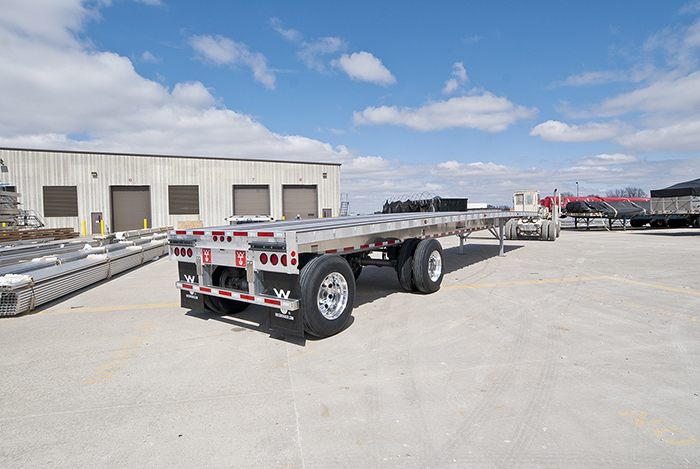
column 363, row 66
column 290, row 34
column 595, row 78
column 679, row 136
column 555, row 131
column 459, row 78
column 606, row 160
column 482, row 111
column 221, row 50
column 471, row 40
column 671, row 94
column 150, row 58
column 311, row 51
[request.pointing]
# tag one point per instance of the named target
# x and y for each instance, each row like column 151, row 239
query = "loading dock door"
column 251, row 200
column 300, row 200
column 130, row 206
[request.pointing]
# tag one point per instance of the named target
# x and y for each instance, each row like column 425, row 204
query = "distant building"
column 66, row 188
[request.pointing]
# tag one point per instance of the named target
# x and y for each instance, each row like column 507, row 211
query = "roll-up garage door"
column 300, row 201
column 131, row 205
column 251, row 200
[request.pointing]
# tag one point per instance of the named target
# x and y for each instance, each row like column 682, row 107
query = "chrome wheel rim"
column 332, row 296
column 434, row 266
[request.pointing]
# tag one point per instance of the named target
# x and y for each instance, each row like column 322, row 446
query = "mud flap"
column 284, row 286
column 187, row 272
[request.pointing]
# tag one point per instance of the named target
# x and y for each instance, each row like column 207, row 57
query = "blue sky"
column 457, row 99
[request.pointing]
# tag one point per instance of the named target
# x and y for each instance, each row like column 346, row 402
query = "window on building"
column 60, row 201
column 183, row 200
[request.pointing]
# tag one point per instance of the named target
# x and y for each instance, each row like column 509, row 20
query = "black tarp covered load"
column 679, row 190
column 426, row 205
column 612, row 209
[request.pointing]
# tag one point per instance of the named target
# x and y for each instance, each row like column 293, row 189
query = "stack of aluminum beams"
column 26, row 285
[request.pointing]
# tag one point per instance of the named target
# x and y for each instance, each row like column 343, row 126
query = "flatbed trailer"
column 304, row 271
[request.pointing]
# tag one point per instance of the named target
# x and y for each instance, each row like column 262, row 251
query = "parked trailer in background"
column 304, row 271
column 676, row 206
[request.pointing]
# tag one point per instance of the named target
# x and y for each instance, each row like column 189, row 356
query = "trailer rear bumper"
column 264, row 300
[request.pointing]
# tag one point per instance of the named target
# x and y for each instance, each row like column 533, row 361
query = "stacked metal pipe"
column 26, row 284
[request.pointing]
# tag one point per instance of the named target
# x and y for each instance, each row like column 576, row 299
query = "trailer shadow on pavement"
column 373, row 284
column 254, row 319
column 376, row 283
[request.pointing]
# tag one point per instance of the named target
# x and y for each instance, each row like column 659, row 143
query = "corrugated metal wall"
column 30, row 170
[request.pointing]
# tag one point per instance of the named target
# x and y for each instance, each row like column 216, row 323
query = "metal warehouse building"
column 67, row 188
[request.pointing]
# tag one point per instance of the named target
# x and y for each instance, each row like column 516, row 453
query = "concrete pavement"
column 578, row 353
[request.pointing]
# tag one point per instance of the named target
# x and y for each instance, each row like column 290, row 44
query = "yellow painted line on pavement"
column 660, row 287
column 111, row 308
column 572, row 279
column 523, row 282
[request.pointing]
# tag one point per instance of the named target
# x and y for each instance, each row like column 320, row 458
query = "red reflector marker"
column 199, row 233
column 218, row 233
column 225, row 293
column 181, row 232
column 205, row 289
column 248, row 297
column 240, row 233
column 266, row 234
column 272, row 302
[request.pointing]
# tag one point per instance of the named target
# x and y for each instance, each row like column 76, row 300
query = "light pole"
column 576, row 188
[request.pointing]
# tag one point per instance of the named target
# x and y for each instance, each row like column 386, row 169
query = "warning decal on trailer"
column 240, row 259
column 206, row 256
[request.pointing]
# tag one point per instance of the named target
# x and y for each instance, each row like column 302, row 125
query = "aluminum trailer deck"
column 305, row 270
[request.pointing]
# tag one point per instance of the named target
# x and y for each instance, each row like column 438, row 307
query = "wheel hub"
column 434, row 266
column 333, row 296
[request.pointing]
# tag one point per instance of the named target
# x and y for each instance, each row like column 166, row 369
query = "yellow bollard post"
column 145, row 224
column 84, row 228
column 102, row 227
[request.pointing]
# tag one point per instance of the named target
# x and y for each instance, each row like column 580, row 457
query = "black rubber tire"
column 507, row 229
column 428, row 266
column 314, row 281
column 404, row 264
column 220, row 305
column 514, row 229
column 551, row 230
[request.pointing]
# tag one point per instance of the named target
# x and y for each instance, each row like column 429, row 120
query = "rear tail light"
column 284, row 260
column 274, row 259
column 177, row 251
column 189, row 252
column 263, row 258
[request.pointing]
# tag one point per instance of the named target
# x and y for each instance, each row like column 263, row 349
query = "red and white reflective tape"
column 232, row 295
column 366, row 247
column 253, row 234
